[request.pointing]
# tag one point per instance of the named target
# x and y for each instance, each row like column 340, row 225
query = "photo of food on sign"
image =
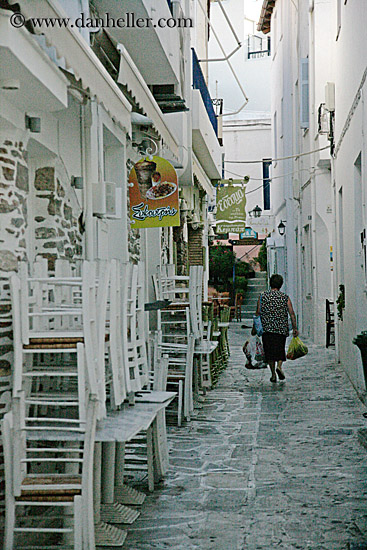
column 153, row 192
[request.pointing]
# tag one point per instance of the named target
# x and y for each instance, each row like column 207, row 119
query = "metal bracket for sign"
column 159, row 304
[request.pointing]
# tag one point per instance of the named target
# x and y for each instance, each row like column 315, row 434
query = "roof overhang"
column 202, row 178
column 80, row 59
column 265, row 16
column 130, row 76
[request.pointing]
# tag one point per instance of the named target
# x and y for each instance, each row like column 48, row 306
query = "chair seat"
column 57, row 342
column 48, row 486
column 206, row 347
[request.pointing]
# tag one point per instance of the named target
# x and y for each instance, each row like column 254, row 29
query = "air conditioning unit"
column 323, row 119
column 330, row 96
column 107, row 200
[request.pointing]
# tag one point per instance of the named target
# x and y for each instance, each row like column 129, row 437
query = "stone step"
column 255, row 288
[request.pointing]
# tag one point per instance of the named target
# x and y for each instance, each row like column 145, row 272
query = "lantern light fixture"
column 281, row 227
column 256, row 212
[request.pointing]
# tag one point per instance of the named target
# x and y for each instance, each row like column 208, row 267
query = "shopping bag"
column 296, row 349
column 258, row 328
column 259, row 351
column 255, row 356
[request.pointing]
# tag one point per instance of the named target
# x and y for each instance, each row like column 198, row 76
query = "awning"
column 203, row 179
column 80, row 58
column 265, row 16
column 130, row 77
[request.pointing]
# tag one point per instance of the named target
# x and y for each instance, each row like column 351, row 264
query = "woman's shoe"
column 281, row 374
column 273, row 379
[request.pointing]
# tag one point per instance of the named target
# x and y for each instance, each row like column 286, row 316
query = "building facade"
column 318, row 79
column 80, row 103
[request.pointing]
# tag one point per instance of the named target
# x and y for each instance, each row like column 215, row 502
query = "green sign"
column 231, row 212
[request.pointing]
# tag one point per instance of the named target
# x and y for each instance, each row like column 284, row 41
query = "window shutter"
column 304, row 99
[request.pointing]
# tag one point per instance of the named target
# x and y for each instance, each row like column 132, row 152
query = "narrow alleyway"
column 264, row 466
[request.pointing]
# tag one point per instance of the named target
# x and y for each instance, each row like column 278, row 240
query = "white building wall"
column 326, row 197
column 253, row 74
column 304, row 201
column 350, row 181
column 249, row 139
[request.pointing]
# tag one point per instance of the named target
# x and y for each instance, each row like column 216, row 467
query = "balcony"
column 198, row 83
column 41, row 86
column 204, row 125
column 150, row 48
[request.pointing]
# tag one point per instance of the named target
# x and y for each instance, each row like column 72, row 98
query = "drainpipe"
column 84, row 176
column 86, row 147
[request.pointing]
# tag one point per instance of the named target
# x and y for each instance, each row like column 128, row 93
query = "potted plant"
column 361, row 342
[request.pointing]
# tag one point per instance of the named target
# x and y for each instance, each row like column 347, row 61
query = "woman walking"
column 273, row 307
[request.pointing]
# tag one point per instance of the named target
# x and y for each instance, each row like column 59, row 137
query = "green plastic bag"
column 296, row 349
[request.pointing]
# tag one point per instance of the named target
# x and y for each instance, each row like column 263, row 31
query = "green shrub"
column 241, row 283
column 262, row 258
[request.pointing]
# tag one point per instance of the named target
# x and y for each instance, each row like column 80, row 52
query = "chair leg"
column 9, row 523
column 78, row 525
column 180, row 400
column 150, row 459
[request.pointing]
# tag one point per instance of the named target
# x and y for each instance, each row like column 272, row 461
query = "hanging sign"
column 153, row 191
column 231, row 213
column 249, row 232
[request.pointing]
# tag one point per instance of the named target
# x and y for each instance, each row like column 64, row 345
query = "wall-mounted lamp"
column 256, row 212
column 77, row 182
column 33, row 124
column 195, row 221
column 211, row 234
column 281, row 227
column 184, row 207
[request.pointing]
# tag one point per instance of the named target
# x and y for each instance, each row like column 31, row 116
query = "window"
column 341, row 235
column 307, row 260
column 258, row 46
column 266, row 183
column 275, row 134
column 304, row 94
column 359, row 225
column 274, row 35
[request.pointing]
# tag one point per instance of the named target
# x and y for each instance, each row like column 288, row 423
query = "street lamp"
column 211, row 234
column 281, row 228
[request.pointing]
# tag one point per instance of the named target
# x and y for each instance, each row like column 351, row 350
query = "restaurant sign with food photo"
column 153, row 191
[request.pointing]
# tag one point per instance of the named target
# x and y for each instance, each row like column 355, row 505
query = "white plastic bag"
column 254, row 351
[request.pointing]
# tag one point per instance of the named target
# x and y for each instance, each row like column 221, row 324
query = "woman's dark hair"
column 276, row 281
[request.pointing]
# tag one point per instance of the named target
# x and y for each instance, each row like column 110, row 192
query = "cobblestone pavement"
column 264, row 466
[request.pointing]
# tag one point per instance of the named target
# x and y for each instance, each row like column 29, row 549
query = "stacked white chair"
column 58, row 394
column 65, row 490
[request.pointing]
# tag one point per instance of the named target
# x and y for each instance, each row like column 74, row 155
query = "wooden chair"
column 48, row 474
column 46, row 327
column 238, row 306
column 330, row 324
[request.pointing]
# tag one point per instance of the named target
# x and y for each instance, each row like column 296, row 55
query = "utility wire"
column 267, row 180
column 280, row 158
column 277, row 177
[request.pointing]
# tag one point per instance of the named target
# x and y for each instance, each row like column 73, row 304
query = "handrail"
column 198, row 82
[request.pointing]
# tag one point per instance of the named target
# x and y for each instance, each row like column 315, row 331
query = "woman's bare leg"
column 272, row 368
column 280, row 370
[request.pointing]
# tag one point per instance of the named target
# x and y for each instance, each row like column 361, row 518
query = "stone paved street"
column 263, row 466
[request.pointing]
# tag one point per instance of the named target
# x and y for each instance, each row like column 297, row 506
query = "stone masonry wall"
column 57, row 231
column 14, row 188
column 134, row 244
